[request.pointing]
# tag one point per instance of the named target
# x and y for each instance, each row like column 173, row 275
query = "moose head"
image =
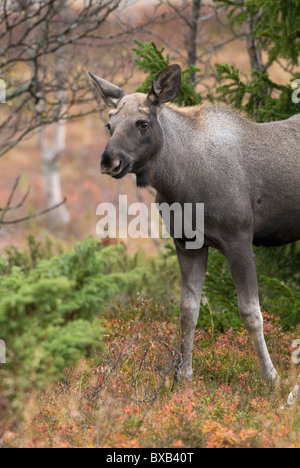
column 136, row 134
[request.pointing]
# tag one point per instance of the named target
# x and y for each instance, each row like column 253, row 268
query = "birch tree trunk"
column 50, row 156
column 52, row 148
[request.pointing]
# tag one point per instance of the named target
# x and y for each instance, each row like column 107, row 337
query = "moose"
column 246, row 174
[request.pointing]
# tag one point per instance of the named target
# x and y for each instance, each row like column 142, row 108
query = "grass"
column 130, row 397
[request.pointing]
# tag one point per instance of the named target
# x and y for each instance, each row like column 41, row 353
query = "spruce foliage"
column 53, row 307
column 152, row 60
column 274, row 28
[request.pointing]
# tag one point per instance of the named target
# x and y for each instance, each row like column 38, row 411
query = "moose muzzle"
column 115, row 165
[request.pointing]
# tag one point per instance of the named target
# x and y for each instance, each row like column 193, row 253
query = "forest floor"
column 130, row 397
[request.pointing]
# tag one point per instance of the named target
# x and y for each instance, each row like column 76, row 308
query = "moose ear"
column 166, row 85
column 110, row 93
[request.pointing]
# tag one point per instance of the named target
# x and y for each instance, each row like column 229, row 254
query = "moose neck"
column 174, row 163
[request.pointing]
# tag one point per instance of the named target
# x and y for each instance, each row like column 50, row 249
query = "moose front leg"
column 241, row 261
column 193, row 264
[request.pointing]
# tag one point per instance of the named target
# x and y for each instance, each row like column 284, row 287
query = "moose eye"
column 142, row 124
column 108, row 126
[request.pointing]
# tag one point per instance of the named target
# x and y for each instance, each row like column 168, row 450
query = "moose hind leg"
column 193, row 270
column 241, row 262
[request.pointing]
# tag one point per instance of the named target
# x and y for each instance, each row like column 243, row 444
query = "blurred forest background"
column 51, row 133
column 74, row 309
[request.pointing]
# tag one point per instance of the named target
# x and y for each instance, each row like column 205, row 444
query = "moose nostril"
column 117, row 166
column 105, row 163
column 113, row 168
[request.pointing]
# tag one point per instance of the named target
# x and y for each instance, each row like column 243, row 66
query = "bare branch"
column 35, row 215
column 19, row 205
column 8, row 207
column 31, row 33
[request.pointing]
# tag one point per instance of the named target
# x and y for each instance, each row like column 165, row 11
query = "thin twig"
column 16, row 207
column 7, row 207
column 35, row 215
